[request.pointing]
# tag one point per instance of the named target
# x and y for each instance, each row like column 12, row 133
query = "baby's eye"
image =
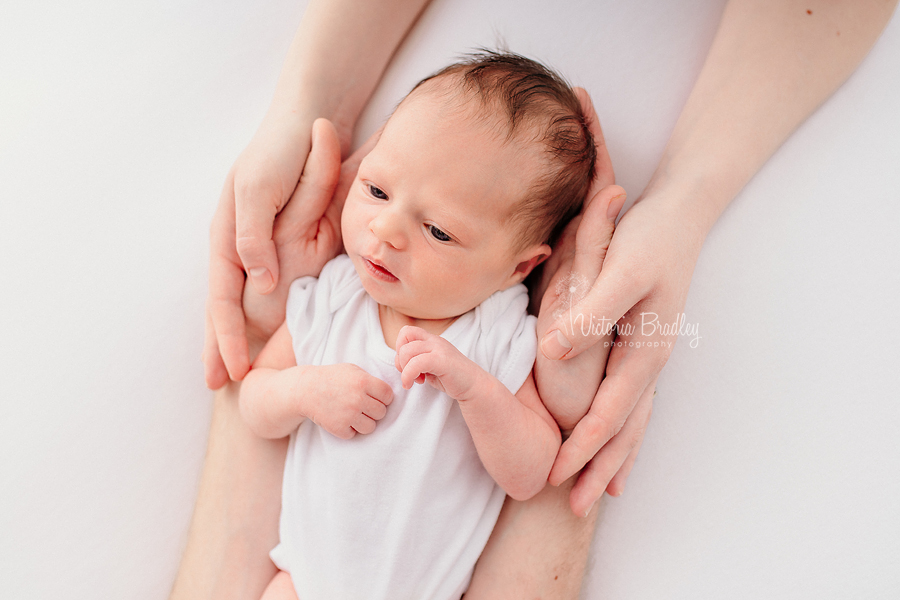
column 377, row 192
column 438, row 234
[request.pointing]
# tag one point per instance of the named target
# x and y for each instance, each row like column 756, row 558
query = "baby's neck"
column 393, row 321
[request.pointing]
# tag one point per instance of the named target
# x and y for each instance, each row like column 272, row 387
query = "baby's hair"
column 540, row 102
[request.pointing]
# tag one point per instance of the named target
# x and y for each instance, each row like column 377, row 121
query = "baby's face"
column 426, row 221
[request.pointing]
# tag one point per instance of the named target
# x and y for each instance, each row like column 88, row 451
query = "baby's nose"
column 389, row 228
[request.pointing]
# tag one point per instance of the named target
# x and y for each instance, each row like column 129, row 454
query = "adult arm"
column 235, row 521
column 539, row 548
column 771, row 64
column 334, row 63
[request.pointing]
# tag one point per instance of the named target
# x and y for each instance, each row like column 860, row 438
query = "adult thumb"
column 317, row 183
column 586, row 311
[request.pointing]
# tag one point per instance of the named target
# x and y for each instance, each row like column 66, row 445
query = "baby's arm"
column 516, row 438
column 277, row 394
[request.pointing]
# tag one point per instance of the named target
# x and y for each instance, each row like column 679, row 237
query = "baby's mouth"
column 378, row 270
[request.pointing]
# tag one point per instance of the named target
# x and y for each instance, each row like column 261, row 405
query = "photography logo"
column 569, row 292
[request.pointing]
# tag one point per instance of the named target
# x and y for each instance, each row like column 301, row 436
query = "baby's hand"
column 423, row 357
column 345, row 400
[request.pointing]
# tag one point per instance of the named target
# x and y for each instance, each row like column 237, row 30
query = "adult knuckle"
column 360, row 379
column 600, row 427
column 219, row 309
column 251, row 181
column 246, row 245
column 637, row 435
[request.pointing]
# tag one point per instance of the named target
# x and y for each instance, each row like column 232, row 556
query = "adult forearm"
column 539, row 549
column 337, row 57
column 235, row 521
column 771, row 64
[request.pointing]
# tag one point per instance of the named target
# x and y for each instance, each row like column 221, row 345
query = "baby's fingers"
column 415, row 370
column 363, row 424
column 379, row 391
column 410, row 333
column 374, row 409
column 408, row 350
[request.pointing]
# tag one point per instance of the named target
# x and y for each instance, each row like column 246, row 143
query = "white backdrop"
column 771, row 466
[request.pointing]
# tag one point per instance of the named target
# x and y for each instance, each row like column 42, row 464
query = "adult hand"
column 257, row 188
column 643, row 285
column 305, row 235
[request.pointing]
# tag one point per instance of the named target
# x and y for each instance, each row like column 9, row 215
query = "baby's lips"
column 378, row 266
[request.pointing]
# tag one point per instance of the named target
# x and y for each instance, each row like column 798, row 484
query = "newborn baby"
column 403, row 373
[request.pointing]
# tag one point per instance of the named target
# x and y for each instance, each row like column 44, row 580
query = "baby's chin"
column 433, row 321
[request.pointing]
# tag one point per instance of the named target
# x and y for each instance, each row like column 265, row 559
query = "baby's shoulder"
column 340, row 279
column 315, row 300
column 503, row 310
column 505, row 342
column 333, row 288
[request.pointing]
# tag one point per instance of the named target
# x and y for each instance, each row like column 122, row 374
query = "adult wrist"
column 309, row 97
column 694, row 203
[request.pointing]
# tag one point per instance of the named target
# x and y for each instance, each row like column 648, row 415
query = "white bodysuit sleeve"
column 507, row 342
column 311, row 304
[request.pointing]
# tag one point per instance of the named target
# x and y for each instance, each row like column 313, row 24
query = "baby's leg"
column 280, row 588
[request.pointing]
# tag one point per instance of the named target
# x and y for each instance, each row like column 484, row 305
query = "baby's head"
column 473, row 176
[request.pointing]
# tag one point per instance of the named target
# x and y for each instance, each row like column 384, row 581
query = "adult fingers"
column 617, row 484
column 226, row 286
column 596, row 230
column 213, row 366
column 596, row 300
column 259, row 194
column 316, row 186
column 604, row 175
column 602, row 468
column 628, row 375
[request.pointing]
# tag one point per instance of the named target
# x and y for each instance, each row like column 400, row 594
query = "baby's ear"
column 528, row 259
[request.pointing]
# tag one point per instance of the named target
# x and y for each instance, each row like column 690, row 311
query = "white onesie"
column 403, row 512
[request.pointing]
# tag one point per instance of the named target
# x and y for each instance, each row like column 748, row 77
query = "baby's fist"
column 349, row 400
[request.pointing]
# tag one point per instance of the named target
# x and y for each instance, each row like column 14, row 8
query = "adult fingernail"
column 588, row 511
column 555, row 345
column 261, row 278
column 615, row 205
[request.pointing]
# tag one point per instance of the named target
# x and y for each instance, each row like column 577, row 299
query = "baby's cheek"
column 347, row 217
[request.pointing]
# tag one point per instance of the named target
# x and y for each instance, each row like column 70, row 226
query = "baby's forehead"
column 446, row 101
column 435, row 146
column 451, row 96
